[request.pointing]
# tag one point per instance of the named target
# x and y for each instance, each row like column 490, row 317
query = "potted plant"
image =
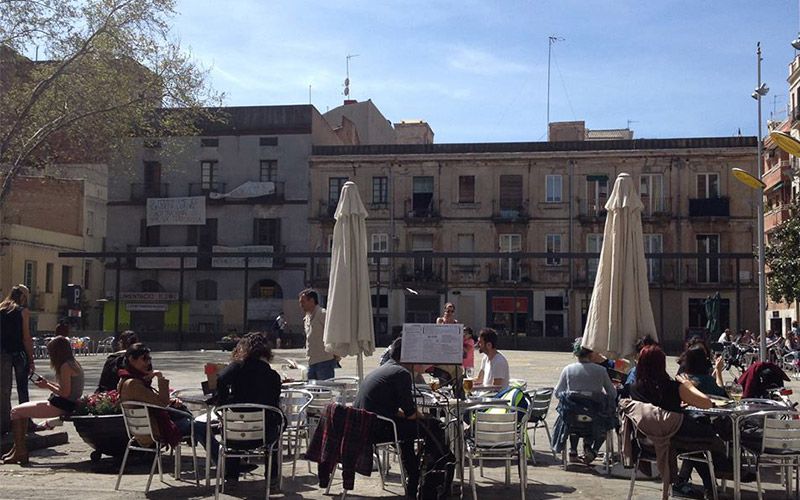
column 98, row 420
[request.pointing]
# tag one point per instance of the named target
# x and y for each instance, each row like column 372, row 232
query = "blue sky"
column 477, row 70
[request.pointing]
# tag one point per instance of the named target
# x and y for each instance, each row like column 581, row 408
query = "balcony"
column 326, row 210
column 421, row 214
column 590, row 211
column 709, row 207
column 775, row 217
column 141, row 191
column 423, row 271
column 204, row 188
column 656, row 209
column 501, row 213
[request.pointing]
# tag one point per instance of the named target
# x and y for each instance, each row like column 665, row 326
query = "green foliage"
column 782, row 257
column 80, row 77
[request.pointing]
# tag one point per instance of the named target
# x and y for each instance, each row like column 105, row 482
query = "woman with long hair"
column 249, row 378
column 448, row 316
column 66, row 390
column 16, row 349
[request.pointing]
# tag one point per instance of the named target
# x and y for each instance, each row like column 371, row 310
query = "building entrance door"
column 147, row 321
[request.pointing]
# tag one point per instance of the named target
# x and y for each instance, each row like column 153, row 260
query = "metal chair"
column 497, row 435
column 294, row 403
column 139, row 425
column 780, row 445
column 245, row 434
column 539, row 408
column 106, row 346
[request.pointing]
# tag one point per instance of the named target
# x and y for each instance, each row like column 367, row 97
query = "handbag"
column 61, row 403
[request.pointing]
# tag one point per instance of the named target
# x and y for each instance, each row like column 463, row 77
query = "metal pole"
column 244, row 302
column 378, row 291
column 738, row 299
column 180, row 307
column 117, row 299
column 549, row 51
column 762, row 302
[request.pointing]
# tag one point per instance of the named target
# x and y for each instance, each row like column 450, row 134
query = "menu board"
column 432, row 344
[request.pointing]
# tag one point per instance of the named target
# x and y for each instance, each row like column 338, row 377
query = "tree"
column 782, row 257
column 110, row 65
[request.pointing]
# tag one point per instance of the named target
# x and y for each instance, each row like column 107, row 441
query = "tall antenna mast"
column 347, row 79
column 550, row 41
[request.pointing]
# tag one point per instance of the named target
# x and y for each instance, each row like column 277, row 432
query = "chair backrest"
column 540, row 402
column 346, row 380
column 293, row 405
column 781, row 432
column 137, row 419
column 247, row 423
column 496, row 428
column 323, row 396
column 518, row 383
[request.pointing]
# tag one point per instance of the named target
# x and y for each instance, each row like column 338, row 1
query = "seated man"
column 494, row 366
column 387, row 391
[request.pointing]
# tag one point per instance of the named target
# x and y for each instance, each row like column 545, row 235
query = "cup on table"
column 734, row 391
column 468, row 384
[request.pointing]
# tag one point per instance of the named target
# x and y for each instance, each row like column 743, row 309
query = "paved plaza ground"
column 65, row 471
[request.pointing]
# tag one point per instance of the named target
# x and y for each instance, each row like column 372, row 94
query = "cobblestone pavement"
column 66, row 472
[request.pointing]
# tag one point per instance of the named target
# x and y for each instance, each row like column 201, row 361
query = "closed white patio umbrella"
column 348, row 323
column 620, row 309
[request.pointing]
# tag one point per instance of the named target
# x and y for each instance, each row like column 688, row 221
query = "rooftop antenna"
column 629, row 123
column 309, row 93
column 347, row 79
column 550, row 41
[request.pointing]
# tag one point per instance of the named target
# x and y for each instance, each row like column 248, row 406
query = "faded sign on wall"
column 188, row 210
column 238, row 262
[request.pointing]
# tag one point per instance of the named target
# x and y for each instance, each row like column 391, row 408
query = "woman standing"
column 448, row 316
column 16, row 348
column 66, row 391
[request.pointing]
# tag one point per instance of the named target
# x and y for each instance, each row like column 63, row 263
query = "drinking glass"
column 468, row 385
column 734, row 391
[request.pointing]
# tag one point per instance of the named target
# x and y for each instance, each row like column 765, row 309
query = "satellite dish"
column 346, row 82
column 347, row 91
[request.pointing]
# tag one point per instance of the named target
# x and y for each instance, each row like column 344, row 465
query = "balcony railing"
column 591, row 209
column 141, row 191
column 709, row 207
column 327, row 210
column 656, row 208
column 204, row 188
column 421, row 214
column 503, row 213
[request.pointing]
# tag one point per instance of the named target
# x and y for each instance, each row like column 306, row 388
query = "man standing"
column 494, row 366
column 321, row 363
column 277, row 329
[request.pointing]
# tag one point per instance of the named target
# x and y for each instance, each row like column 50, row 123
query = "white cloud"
column 480, row 62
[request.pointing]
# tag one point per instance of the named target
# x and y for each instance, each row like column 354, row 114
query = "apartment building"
column 543, row 197
column 61, row 209
column 781, row 176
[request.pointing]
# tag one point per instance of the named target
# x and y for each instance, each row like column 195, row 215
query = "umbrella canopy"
column 620, row 310
column 348, row 323
column 712, row 314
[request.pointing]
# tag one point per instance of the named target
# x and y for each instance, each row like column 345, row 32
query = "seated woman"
column 653, row 385
column 249, row 378
column 135, row 384
column 588, row 379
column 66, row 391
column 695, row 365
column 109, row 377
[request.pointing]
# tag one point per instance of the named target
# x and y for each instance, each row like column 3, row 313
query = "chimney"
column 350, row 101
column 566, row 131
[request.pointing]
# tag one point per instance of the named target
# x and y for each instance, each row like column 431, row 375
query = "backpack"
column 438, row 467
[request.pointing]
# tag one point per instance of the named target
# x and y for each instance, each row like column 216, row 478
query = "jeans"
column 323, row 370
column 199, row 435
column 19, row 362
column 5, row 392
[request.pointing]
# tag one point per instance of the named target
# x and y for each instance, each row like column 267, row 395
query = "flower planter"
column 106, row 434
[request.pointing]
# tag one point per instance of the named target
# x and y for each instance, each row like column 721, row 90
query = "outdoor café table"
column 735, row 413
column 197, row 398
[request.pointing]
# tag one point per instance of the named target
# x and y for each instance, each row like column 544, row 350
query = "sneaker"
column 687, row 490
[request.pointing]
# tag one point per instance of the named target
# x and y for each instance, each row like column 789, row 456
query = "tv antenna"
column 629, row 123
column 550, row 41
column 347, row 79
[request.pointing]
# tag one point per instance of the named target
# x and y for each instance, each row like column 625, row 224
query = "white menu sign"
column 188, row 210
column 425, row 343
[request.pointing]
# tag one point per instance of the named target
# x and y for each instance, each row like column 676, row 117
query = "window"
column 66, row 278
column 149, row 236
column 335, row 185
column 89, row 223
column 209, row 143
column 267, row 232
column 651, row 190
column 423, row 265
column 510, row 195
column 267, row 141
column 697, row 314
column 553, row 194
column 152, row 180
column 48, row 277
column 380, row 243
column 596, row 194
column 29, row 275
column 267, row 289
column 422, row 197
column 510, row 268
column 708, row 185
column 380, row 191
column 87, row 274
column 594, row 243
column 268, row 171
column 553, row 245
column 207, row 174
column 206, row 290
column 653, row 243
column 466, row 243
column 466, row 189
column 708, row 268
column 204, row 237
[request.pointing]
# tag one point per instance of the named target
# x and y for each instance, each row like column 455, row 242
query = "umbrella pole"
column 360, row 367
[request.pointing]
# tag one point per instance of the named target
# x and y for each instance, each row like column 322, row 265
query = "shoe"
column 687, row 490
column 588, row 457
column 572, row 456
column 247, row 468
column 19, row 429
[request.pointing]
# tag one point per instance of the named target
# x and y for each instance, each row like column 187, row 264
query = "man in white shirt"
column 494, row 366
column 726, row 336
